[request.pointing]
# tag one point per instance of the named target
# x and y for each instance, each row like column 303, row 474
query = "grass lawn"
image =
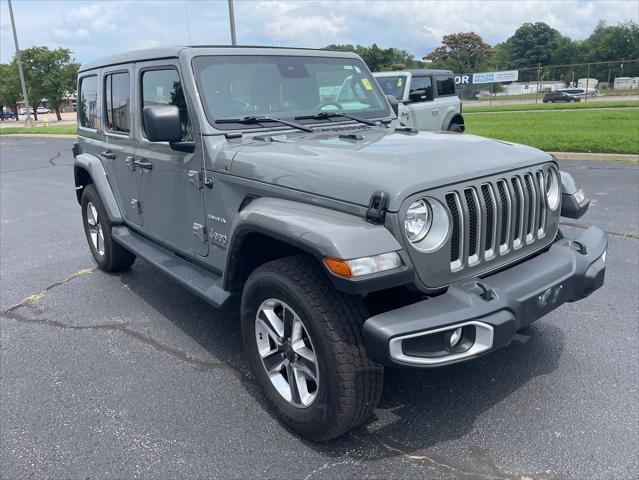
column 68, row 129
column 552, row 106
column 589, row 130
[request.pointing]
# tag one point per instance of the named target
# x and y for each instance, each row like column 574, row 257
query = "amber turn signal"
column 338, row 267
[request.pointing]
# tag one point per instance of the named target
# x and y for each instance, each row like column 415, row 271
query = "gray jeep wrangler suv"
column 283, row 177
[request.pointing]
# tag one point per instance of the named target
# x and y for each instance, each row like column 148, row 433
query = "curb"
column 615, row 157
column 36, row 135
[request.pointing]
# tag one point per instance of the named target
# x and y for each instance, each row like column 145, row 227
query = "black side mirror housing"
column 417, row 96
column 393, row 103
column 162, row 123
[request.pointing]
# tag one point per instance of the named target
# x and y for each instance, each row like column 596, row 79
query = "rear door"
column 118, row 153
column 168, row 180
column 446, row 100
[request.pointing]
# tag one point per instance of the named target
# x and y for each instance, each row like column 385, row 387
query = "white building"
column 591, row 82
column 521, row 88
column 626, row 83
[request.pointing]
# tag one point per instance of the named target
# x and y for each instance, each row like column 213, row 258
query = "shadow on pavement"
column 418, row 409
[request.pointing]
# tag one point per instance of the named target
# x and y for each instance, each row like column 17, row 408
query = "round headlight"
column 418, row 220
column 553, row 193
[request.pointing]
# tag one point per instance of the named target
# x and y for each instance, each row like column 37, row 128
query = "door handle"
column 143, row 164
column 108, row 154
column 435, row 112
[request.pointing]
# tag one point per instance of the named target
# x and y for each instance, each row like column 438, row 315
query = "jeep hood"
column 332, row 164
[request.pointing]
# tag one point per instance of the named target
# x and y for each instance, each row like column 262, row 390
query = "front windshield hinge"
column 376, row 212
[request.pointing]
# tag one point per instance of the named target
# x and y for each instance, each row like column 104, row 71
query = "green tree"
column 612, row 42
column 531, row 44
column 10, row 90
column 464, row 52
column 379, row 59
column 50, row 74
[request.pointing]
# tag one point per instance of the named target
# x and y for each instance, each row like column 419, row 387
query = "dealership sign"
column 489, row 77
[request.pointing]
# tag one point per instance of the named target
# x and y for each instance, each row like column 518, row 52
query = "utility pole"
column 28, row 122
column 232, row 22
column 538, row 80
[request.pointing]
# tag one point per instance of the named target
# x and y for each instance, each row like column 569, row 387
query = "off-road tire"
column 115, row 256
column 455, row 127
column 350, row 383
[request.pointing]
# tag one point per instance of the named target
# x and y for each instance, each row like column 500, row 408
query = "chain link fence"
column 586, row 80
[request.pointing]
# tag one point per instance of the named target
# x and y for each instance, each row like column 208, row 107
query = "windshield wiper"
column 327, row 115
column 249, row 120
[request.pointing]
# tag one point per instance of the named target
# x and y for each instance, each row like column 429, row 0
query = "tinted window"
column 445, row 86
column 163, row 87
column 88, row 109
column 421, row 89
column 117, row 93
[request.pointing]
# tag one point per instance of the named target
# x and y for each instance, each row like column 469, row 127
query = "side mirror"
column 393, row 103
column 417, row 95
column 162, row 123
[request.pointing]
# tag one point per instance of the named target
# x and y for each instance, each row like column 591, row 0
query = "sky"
column 93, row 29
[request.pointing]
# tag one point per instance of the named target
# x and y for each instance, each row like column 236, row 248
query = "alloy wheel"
column 95, row 228
column 287, row 353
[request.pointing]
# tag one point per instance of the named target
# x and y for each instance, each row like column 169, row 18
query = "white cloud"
column 95, row 29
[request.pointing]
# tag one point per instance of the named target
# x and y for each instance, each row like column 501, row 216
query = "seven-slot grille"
column 496, row 217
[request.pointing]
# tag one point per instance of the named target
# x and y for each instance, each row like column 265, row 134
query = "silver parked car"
column 282, row 177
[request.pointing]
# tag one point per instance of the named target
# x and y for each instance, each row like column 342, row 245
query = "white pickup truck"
column 427, row 98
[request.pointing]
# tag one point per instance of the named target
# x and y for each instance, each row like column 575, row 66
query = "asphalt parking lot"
column 131, row 376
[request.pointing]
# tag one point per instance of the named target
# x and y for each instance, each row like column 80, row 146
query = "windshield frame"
column 385, row 112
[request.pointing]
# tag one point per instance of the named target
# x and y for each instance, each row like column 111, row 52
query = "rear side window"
column 88, row 108
column 445, row 86
column 421, row 89
column 117, row 95
column 163, row 87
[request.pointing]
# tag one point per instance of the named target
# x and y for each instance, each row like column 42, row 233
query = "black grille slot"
column 455, row 244
column 473, row 221
column 504, row 197
column 541, row 218
column 531, row 204
column 490, row 216
column 518, row 201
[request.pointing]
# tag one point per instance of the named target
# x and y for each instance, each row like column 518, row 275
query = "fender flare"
column 93, row 167
column 451, row 117
column 320, row 232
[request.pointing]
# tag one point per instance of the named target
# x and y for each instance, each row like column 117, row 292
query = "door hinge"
column 128, row 161
column 136, row 206
column 195, row 179
column 200, row 232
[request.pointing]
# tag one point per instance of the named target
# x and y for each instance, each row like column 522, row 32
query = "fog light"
column 455, row 337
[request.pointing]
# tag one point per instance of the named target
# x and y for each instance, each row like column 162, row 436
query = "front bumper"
column 489, row 311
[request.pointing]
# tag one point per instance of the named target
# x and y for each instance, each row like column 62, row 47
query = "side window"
column 163, row 87
column 88, row 108
column 445, row 86
column 421, row 89
column 117, row 93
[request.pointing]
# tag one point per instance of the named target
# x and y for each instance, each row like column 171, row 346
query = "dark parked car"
column 553, row 97
column 7, row 115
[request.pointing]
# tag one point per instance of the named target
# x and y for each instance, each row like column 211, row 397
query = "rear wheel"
column 455, row 127
column 304, row 346
column 109, row 255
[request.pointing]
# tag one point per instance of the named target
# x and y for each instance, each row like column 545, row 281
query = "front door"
column 171, row 194
column 118, row 152
column 423, row 114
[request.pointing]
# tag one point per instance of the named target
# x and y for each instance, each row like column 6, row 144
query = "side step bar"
column 203, row 283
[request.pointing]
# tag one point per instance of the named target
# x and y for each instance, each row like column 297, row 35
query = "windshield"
column 285, row 87
column 394, row 85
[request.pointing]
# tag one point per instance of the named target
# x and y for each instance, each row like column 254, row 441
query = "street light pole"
column 232, row 22
column 28, row 122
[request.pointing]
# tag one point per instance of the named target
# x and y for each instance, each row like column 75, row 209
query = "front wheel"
column 305, row 348
column 455, row 127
